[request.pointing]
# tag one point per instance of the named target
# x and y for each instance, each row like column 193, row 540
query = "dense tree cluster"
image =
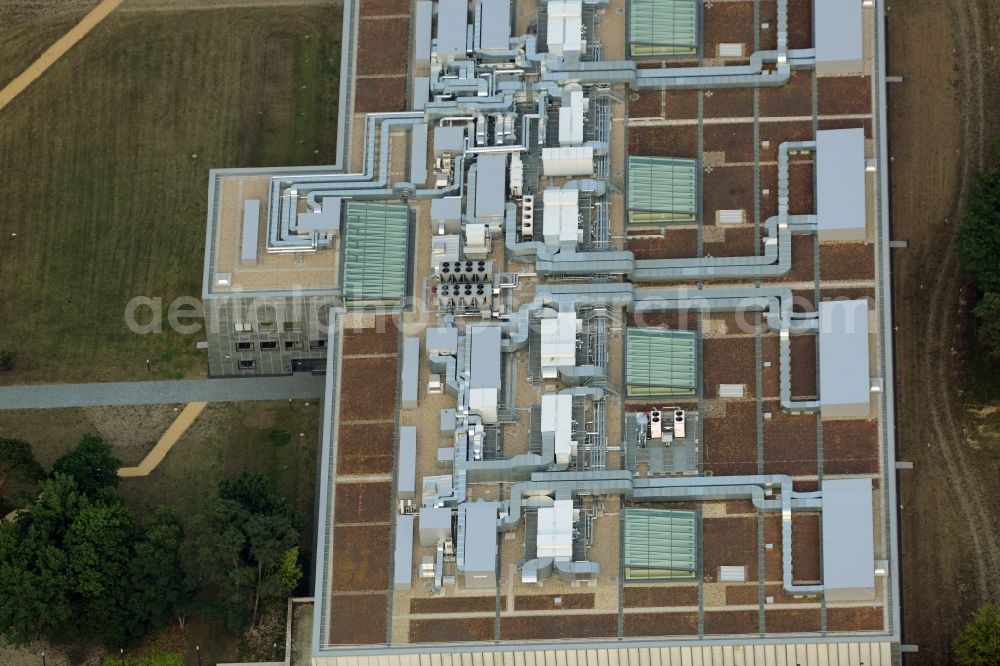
column 978, row 247
column 979, row 642
column 75, row 564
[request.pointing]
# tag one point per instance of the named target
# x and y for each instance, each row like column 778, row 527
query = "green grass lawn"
column 105, row 163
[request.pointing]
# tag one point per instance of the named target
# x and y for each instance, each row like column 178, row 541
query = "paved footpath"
column 238, row 389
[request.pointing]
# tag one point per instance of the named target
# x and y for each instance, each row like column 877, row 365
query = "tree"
column 7, row 360
column 979, row 642
column 987, row 313
column 91, row 465
column 978, row 239
column 240, row 549
column 64, row 568
column 19, row 473
column 162, row 591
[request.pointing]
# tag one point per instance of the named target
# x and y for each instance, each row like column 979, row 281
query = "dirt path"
column 939, row 134
column 166, row 442
column 56, row 51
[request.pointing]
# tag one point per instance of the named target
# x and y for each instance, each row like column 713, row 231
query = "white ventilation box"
column 557, row 422
column 568, row 161
column 560, row 219
column 565, row 28
column 736, row 216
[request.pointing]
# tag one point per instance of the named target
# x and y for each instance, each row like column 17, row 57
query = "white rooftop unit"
column 840, row 185
column 838, row 37
column 565, row 28
column 568, row 161
column 444, row 249
column 558, row 337
column 848, row 540
column 452, row 28
column 557, row 423
column 560, row 218
column 555, row 530
column 477, row 241
column 844, row 377
column 491, row 185
column 434, row 525
column 571, row 118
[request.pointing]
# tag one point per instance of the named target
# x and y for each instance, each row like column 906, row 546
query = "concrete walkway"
column 166, row 441
column 46, row 396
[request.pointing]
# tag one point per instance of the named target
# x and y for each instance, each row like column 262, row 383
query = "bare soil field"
column 789, row 441
column 729, row 542
column 729, row 102
column 727, row 22
column 132, row 118
column 846, row 261
column 363, row 558
column 727, row 188
column 664, row 141
column 846, row 123
column 454, row 604
column 728, row 450
column 850, row 447
column 733, row 139
column 539, row 602
column 367, row 388
column 382, row 94
column 365, row 448
column 451, row 630
column 792, row 99
column 864, row 618
column 792, row 621
column 358, row 619
column 380, row 47
column 674, row 243
column 801, row 188
column 660, row 596
column 382, row 339
column 777, row 133
column 564, row 626
column 728, row 361
column 731, row 622
column 800, row 33
column 842, row 95
column 739, row 242
column 363, row 502
column 661, row 624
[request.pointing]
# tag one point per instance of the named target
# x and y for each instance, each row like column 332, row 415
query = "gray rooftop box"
column 485, row 354
column 434, row 524
column 844, row 378
column 840, row 185
column 403, row 560
column 495, row 21
column 442, row 340
column 327, row 219
column 423, row 15
column 838, row 37
column 409, row 390
column 418, row 155
column 491, row 185
column 480, row 564
column 406, row 487
column 452, row 27
column 251, row 230
column 450, row 139
column 447, row 212
column 848, row 540
column 448, row 422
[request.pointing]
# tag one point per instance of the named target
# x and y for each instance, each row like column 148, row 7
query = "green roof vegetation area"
column 662, row 190
column 660, row 544
column 663, row 27
column 660, row 362
column 375, row 253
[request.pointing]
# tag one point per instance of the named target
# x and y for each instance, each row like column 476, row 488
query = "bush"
column 979, row 642
column 156, row 659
